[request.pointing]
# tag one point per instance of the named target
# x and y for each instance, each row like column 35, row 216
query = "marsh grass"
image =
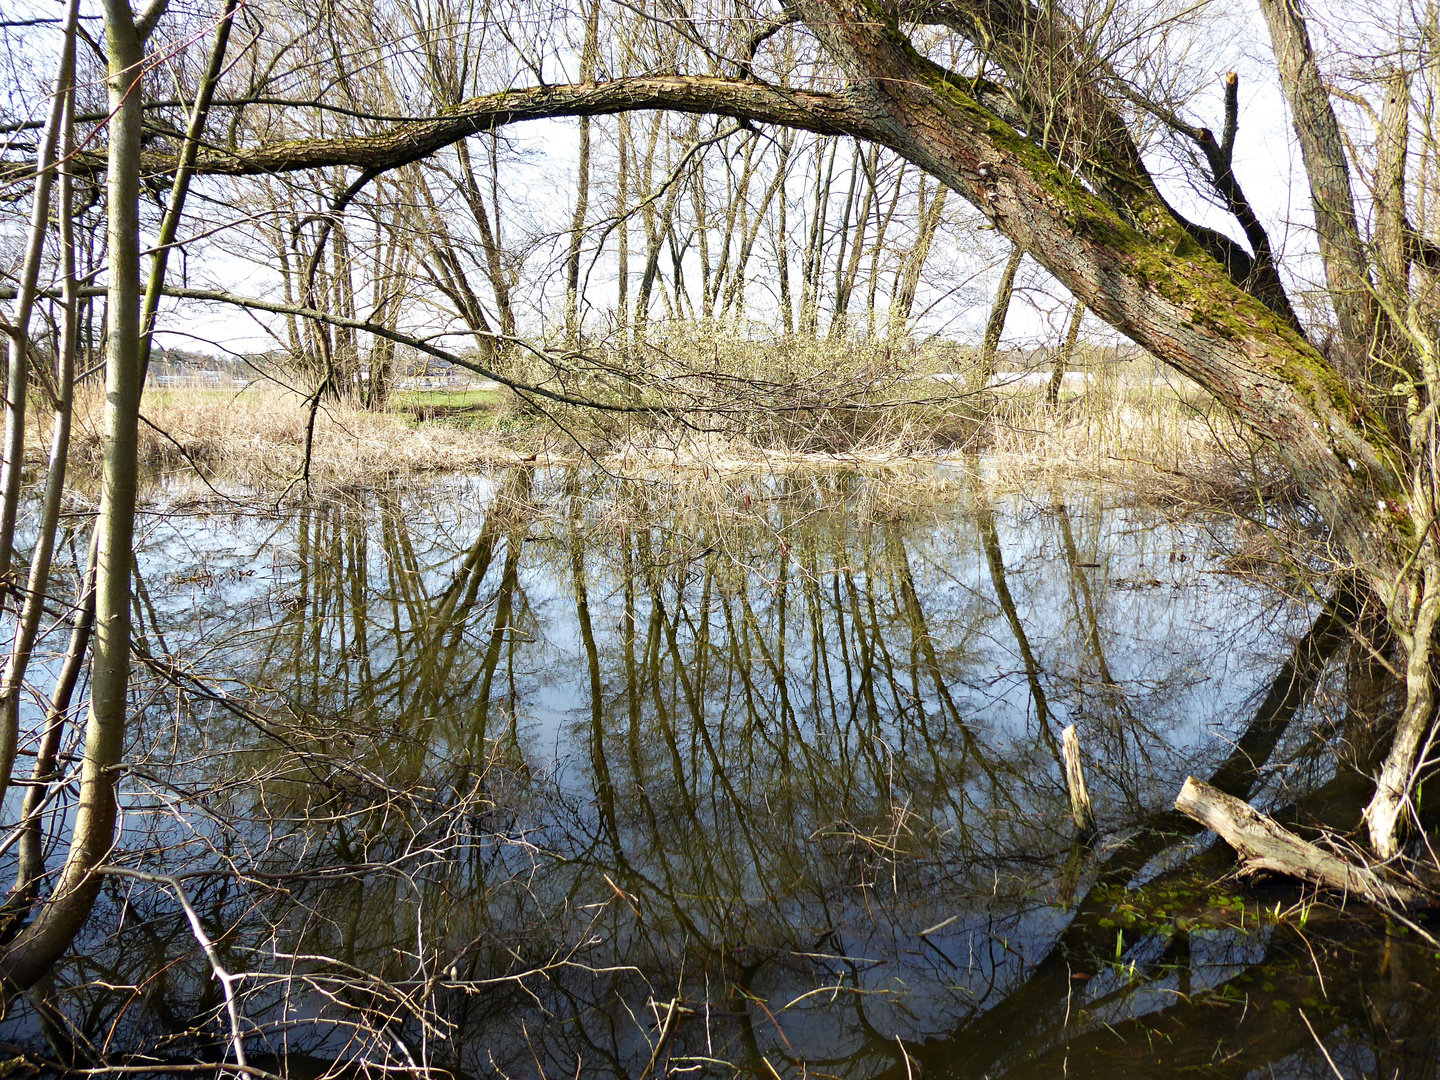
column 1126, row 423
column 718, row 407
column 780, row 397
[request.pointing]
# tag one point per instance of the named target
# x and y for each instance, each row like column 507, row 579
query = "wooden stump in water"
column 1080, row 808
column 1263, row 844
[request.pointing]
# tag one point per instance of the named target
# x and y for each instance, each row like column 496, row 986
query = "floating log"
column 1080, row 808
column 1263, row 844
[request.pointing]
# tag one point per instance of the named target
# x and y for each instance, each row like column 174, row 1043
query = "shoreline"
column 250, row 445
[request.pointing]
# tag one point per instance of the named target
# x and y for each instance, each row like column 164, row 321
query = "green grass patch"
column 445, row 399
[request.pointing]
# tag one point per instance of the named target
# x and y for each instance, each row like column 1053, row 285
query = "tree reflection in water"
column 546, row 774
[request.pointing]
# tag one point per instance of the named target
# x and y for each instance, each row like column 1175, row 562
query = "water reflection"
column 545, row 775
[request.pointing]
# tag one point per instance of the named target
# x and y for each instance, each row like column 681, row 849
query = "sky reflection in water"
column 763, row 778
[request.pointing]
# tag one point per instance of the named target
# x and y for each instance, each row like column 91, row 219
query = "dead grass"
column 1159, row 439
column 253, row 440
column 1142, row 436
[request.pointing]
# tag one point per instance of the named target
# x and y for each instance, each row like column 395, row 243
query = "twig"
column 226, row 980
column 1321, row 1045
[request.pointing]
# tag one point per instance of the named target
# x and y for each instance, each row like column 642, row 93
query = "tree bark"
column 1386, row 813
column 908, row 280
column 1331, row 198
column 1080, row 808
column 588, row 56
column 1391, row 153
column 1063, row 357
column 577, row 232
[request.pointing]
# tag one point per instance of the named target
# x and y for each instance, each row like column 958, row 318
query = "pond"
column 545, row 774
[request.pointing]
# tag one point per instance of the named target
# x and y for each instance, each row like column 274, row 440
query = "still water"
column 541, row 774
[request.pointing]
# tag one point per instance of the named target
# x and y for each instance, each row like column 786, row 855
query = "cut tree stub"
column 1080, row 808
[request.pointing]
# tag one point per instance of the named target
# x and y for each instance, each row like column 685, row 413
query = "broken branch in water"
column 1264, row 844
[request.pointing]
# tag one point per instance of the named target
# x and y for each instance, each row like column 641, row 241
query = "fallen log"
column 1265, row 845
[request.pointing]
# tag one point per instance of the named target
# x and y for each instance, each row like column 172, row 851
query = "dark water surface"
column 537, row 775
